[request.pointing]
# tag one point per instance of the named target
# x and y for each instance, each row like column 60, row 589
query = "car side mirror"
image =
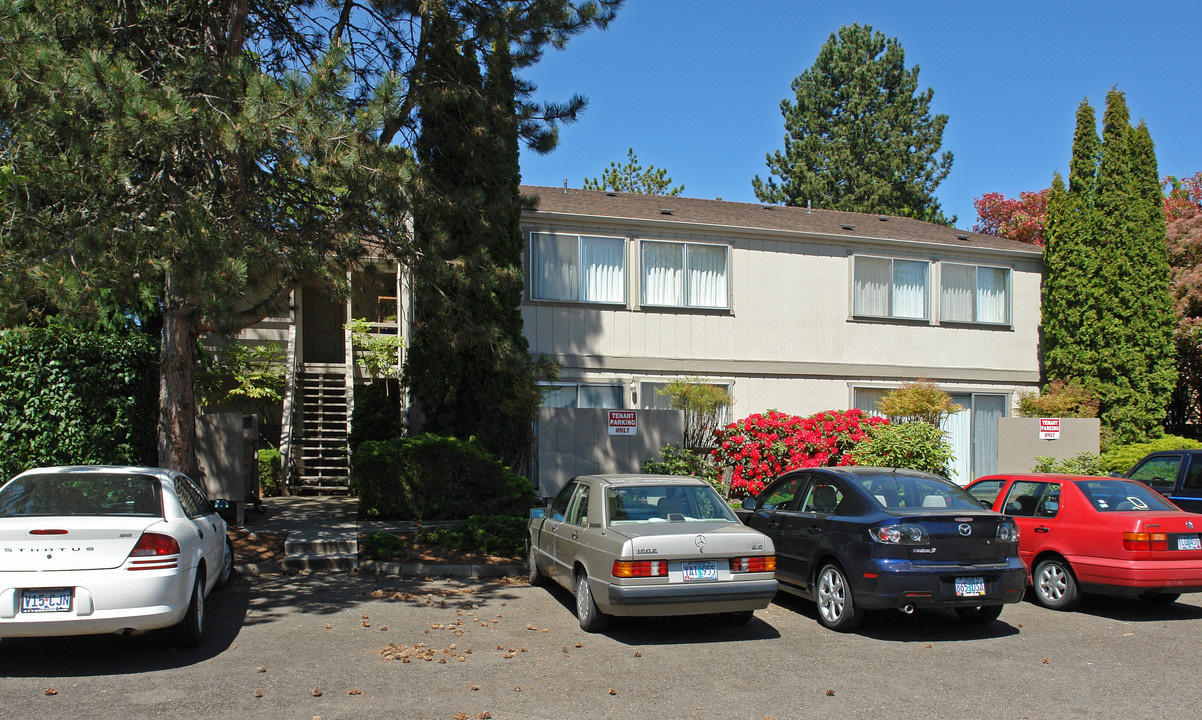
column 221, row 505
column 749, row 503
column 538, row 513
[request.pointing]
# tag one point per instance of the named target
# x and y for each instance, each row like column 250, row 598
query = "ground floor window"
column 578, row 395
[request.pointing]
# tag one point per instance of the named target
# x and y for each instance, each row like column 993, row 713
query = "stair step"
column 341, row 562
column 322, row 546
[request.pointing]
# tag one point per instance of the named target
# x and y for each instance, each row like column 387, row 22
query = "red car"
column 1081, row 534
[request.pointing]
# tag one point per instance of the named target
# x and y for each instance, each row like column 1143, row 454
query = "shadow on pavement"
column 929, row 625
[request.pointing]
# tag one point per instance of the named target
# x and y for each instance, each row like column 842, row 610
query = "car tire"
column 1158, row 598
column 590, row 617
column 227, row 566
column 980, row 615
column 536, row 576
column 189, row 632
column 837, row 608
column 1054, row 585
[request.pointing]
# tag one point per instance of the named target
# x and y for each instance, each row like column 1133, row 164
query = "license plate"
column 970, row 587
column 1189, row 542
column 40, row 601
column 699, row 570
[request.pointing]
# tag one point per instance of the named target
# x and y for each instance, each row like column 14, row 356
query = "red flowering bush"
column 759, row 447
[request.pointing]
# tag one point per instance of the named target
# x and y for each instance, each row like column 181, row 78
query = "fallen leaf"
column 531, row 627
column 830, row 693
column 364, row 616
column 517, row 688
column 261, row 669
column 613, row 692
column 327, row 626
column 316, row 692
column 258, row 693
column 354, row 691
column 383, row 628
column 1046, row 661
column 484, row 715
column 638, row 654
column 474, row 687
column 51, row 691
column 1128, row 634
column 461, row 716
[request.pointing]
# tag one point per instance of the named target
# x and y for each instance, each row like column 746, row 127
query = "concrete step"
column 340, row 562
column 321, row 547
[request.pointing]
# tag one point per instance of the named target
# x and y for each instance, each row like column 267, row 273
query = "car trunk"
column 694, row 539
column 1181, row 542
column 68, row 543
column 968, row 537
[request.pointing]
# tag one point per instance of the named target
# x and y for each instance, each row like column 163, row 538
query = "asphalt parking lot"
column 358, row 646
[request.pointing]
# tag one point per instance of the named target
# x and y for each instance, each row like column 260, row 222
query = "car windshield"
column 1122, row 495
column 666, row 503
column 894, row 491
column 81, row 494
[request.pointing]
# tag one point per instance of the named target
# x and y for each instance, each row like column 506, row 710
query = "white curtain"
column 992, row 304
column 958, row 429
column 707, row 276
column 959, row 288
column 986, row 410
column 909, row 289
column 663, row 275
column 559, row 396
column 870, row 289
column 867, row 399
column 604, row 270
column 554, row 267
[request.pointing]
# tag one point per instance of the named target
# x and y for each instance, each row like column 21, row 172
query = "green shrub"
column 488, row 534
column 1059, row 399
column 915, row 445
column 377, row 415
column 1121, row 458
column 270, row 461
column 69, row 397
column 382, row 546
column 679, row 460
column 1085, row 463
column 430, row 477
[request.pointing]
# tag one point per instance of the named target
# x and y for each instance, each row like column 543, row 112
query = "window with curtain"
column 890, row 288
column 684, row 275
column 974, row 293
column 572, row 395
column 577, row 268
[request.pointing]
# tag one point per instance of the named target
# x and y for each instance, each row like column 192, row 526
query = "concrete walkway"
column 323, row 534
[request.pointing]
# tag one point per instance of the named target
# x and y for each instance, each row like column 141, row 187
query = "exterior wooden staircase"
column 323, row 465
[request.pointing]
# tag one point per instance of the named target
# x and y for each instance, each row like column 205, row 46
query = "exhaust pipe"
column 908, row 609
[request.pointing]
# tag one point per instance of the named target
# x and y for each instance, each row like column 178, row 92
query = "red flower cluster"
column 759, row 447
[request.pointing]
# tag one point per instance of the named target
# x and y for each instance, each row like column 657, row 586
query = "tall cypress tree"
column 1107, row 318
column 468, row 365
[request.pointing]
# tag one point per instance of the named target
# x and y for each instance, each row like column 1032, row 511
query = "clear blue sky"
column 694, row 86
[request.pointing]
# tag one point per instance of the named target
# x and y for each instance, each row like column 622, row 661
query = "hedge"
column 430, row 477
column 69, row 397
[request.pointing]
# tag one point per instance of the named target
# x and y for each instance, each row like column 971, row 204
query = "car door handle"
column 773, row 524
column 576, row 536
column 1042, row 529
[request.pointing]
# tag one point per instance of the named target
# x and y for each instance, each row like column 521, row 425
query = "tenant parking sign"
column 623, row 422
column 1049, row 428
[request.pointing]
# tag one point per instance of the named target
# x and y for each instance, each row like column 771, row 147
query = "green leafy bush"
column 1085, row 463
column 677, row 460
column 382, row 546
column 1059, row 399
column 270, row 461
column 69, row 397
column 377, row 414
column 488, row 534
column 431, row 477
column 915, row 445
column 1122, row 458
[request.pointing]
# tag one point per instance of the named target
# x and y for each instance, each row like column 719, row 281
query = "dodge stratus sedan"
column 96, row 550
column 639, row 545
column 863, row 538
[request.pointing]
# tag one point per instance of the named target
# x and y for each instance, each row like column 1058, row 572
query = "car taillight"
column 1145, row 541
column 640, row 568
column 759, row 563
column 900, row 534
column 1007, row 532
column 154, row 544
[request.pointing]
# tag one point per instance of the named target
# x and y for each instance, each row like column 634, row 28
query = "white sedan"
column 99, row 549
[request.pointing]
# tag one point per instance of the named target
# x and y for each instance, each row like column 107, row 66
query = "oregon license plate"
column 970, row 587
column 48, row 600
column 699, row 570
column 1188, row 542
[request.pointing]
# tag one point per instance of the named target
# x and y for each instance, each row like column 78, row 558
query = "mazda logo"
column 965, row 529
column 700, row 540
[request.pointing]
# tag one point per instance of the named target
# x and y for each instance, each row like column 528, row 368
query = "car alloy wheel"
column 535, row 575
column 1055, row 586
column 189, row 632
column 591, row 619
column 227, row 566
column 836, row 608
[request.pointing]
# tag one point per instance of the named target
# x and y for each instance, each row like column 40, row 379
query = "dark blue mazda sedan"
column 865, row 538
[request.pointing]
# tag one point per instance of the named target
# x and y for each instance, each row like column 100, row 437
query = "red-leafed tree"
column 1018, row 218
column 1183, row 218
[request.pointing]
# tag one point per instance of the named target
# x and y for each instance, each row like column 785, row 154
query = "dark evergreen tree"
column 1107, row 314
column 859, row 136
column 468, row 365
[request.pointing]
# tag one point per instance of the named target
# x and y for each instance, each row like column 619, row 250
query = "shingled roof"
column 719, row 213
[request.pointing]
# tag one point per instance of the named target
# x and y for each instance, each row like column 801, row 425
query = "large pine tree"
column 859, row 136
column 1107, row 313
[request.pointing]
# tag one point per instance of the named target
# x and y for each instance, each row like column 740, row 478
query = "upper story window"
column 974, row 294
column 890, row 288
column 685, row 275
column 577, row 268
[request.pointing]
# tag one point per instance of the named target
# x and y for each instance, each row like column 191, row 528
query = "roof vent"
column 766, row 207
column 848, row 227
column 883, row 218
column 965, row 238
column 611, row 193
column 665, row 211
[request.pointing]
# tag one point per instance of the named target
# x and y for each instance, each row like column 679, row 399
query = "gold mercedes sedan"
column 643, row 545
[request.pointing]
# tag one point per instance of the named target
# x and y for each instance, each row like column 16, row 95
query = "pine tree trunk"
column 177, row 399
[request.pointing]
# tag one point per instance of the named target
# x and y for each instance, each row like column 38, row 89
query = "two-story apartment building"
column 791, row 309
